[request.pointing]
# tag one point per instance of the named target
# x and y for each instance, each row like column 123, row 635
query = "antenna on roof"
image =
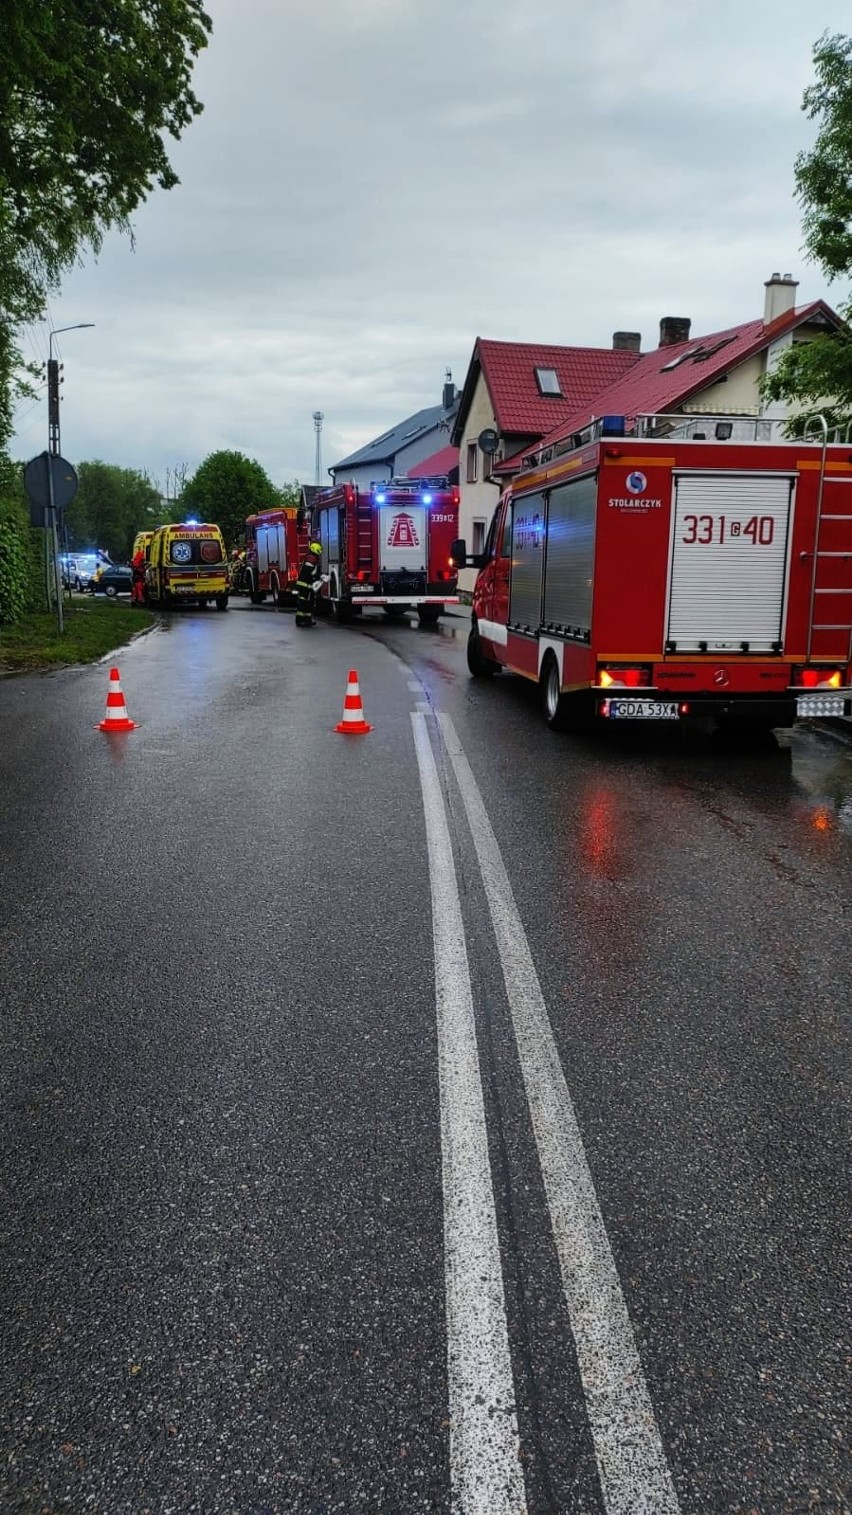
column 318, row 420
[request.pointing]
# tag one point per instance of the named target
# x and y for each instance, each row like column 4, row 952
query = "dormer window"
column 548, row 383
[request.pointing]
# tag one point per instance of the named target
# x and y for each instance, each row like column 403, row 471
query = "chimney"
column 627, row 341
column 449, row 396
column 780, row 297
column 674, row 329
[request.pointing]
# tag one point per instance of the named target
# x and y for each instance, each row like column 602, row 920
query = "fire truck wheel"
column 341, row 611
column 429, row 614
column 563, row 712
column 395, row 612
column 481, row 667
column 221, row 602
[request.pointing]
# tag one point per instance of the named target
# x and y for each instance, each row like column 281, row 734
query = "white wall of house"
column 478, row 497
column 738, row 394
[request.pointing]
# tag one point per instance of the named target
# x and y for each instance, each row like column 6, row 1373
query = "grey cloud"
column 375, row 182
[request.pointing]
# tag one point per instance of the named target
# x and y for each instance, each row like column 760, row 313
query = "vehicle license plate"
column 643, row 710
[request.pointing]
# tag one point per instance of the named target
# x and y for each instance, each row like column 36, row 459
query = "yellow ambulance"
column 187, row 565
column 141, row 543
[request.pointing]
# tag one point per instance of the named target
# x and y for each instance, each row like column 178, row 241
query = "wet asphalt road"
column 223, row 1257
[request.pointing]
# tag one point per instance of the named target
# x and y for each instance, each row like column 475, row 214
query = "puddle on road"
column 822, row 770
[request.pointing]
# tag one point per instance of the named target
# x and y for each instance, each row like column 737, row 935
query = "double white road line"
column 485, row 1470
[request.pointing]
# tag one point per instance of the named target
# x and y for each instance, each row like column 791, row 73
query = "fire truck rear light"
column 820, row 678
column 683, row 709
column 615, row 677
column 456, row 497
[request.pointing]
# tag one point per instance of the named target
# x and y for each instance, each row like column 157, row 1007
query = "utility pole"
column 53, row 382
column 318, row 420
column 52, row 573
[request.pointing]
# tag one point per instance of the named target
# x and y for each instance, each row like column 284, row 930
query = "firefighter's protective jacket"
column 309, row 572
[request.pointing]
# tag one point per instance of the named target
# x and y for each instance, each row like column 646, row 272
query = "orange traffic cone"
column 116, row 718
column 353, row 723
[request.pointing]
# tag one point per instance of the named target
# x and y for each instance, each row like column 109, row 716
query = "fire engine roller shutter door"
column 570, row 556
column 728, row 560
column 281, row 545
column 263, row 548
column 527, row 562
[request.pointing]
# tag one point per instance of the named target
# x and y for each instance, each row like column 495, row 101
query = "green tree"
column 88, row 93
column 290, row 495
column 111, row 505
column 819, row 373
column 225, row 489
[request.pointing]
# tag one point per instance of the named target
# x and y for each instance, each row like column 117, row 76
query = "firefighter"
column 137, row 580
column 310, row 576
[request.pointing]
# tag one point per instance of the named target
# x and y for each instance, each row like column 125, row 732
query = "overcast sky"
column 374, row 183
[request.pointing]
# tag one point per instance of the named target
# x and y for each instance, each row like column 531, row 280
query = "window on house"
column 472, row 452
column 478, row 537
column 548, row 383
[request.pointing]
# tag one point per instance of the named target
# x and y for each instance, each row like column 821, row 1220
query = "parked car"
column 111, row 580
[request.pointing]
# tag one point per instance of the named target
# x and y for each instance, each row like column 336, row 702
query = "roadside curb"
column 109, row 657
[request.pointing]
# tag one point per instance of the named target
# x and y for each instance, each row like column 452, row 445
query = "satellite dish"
column 488, row 440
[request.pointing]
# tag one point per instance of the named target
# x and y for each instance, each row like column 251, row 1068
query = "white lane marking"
column 423, row 708
column 415, row 686
column 485, row 1473
column 634, row 1474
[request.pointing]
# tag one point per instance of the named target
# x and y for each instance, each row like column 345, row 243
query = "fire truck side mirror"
column 458, row 552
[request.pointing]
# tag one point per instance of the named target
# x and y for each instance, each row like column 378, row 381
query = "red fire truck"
column 388, row 545
column 685, row 570
column 276, row 542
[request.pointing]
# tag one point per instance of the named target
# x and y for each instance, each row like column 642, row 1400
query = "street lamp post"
column 53, row 452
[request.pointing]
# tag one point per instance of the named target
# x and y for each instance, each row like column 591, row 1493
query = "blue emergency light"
column 427, row 499
column 612, row 426
column 380, row 499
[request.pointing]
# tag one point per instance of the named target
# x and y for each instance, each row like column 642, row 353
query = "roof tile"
column 519, row 407
column 666, row 378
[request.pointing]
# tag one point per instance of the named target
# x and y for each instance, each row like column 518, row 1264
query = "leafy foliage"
column 824, row 175
column 817, row 375
column 112, row 504
column 88, row 91
column 227, row 487
column 21, row 550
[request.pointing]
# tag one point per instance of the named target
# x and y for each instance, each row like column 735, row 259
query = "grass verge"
column 92, row 628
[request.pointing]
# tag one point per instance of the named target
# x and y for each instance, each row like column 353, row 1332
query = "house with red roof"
column 441, row 464
column 514, row 394
column 717, row 374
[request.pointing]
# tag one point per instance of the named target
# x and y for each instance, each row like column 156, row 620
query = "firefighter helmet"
column 316, row 547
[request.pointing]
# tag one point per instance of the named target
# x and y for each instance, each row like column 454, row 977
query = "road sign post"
column 51, row 484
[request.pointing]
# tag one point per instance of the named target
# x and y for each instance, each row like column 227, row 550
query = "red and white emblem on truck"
column 403, row 532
